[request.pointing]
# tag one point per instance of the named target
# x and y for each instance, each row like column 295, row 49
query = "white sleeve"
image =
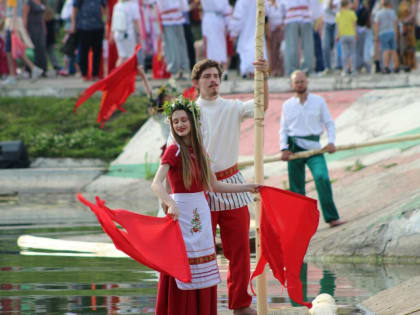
column 237, row 20
column 282, row 9
column 283, row 132
column 246, row 109
column 227, row 13
column 184, row 6
column 328, row 121
column 66, row 11
column 136, row 11
column 316, row 9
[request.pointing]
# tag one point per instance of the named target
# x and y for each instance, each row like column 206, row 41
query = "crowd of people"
column 316, row 36
column 345, row 35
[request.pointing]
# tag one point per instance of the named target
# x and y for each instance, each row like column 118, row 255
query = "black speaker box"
column 13, row 154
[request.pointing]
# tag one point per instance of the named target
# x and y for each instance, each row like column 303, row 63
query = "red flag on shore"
column 116, row 87
column 154, row 242
column 288, row 222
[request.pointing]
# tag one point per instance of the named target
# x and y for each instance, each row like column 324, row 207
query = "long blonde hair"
column 189, row 171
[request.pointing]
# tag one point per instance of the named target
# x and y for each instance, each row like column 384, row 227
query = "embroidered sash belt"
column 227, row 172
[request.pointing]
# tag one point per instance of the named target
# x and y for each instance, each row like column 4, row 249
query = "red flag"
column 190, row 93
column 154, row 242
column 116, row 87
column 159, row 70
column 112, row 47
column 18, row 47
column 288, row 222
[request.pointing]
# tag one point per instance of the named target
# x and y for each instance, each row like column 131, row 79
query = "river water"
column 48, row 284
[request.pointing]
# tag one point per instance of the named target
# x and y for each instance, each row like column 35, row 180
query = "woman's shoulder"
column 171, row 150
column 170, row 156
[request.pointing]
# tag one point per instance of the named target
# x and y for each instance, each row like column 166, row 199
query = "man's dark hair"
column 203, row 65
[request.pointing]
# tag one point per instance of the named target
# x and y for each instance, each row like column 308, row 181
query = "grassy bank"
column 49, row 127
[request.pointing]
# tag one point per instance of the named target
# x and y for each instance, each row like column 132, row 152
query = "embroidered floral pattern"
column 196, row 222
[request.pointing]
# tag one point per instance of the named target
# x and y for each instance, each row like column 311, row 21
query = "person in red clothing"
column 185, row 163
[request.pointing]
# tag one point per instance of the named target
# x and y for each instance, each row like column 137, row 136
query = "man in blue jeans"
column 331, row 8
column 302, row 122
column 298, row 25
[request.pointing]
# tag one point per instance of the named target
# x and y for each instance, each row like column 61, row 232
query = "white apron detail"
column 195, row 222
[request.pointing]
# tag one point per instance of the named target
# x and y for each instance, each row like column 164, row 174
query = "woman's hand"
column 254, row 188
column 173, row 211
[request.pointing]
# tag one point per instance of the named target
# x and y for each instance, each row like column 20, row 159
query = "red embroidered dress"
column 199, row 297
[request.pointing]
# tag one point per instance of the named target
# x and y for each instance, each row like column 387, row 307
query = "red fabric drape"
column 116, row 87
column 288, row 222
column 18, row 47
column 112, row 47
column 154, row 242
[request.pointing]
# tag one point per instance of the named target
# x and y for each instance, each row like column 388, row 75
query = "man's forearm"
column 266, row 91
column 73, row 17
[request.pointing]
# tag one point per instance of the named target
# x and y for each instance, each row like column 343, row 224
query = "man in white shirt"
column 276, row 37
column 302, row 123
column 216, row 15
column 221, row 119
column 242, row 31
column 331, row 8
column 125, row 28
column 174, row 43
column 298, row 30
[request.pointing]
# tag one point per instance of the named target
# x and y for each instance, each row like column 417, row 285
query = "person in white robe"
column 216, row 15
column 242, row 31
column 175, row 45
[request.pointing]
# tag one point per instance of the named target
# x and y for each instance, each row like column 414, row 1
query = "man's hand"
column 330, row 148
column 262, row 65
column 285, row 155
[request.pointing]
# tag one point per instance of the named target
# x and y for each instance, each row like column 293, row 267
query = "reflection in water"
column 327, row 283
column 86, row 285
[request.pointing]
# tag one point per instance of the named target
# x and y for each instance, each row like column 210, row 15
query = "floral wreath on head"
column 182, row 103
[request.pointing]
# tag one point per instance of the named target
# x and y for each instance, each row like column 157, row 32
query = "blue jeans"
column 329, row 38
column 360, row 47
column 141, row 57
column 387, row 41
column 294, row 32
column 338, row 56
column 319, row 59
column 348, row 51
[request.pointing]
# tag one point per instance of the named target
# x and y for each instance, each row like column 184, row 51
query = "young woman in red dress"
column 186, row 165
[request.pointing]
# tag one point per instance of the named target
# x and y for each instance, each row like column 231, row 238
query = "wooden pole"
column 306, row 154
column 259, row 147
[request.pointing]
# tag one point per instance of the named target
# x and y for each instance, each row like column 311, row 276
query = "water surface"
column 91, row 285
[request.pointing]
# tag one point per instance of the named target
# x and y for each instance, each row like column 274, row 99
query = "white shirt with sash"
column 216, row 15
column 306, row 119
column 221, row 125
column 242, row 26
column 171, row 11
column 297, row 11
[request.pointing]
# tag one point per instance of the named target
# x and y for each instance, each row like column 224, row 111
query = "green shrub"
column 50, row 128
